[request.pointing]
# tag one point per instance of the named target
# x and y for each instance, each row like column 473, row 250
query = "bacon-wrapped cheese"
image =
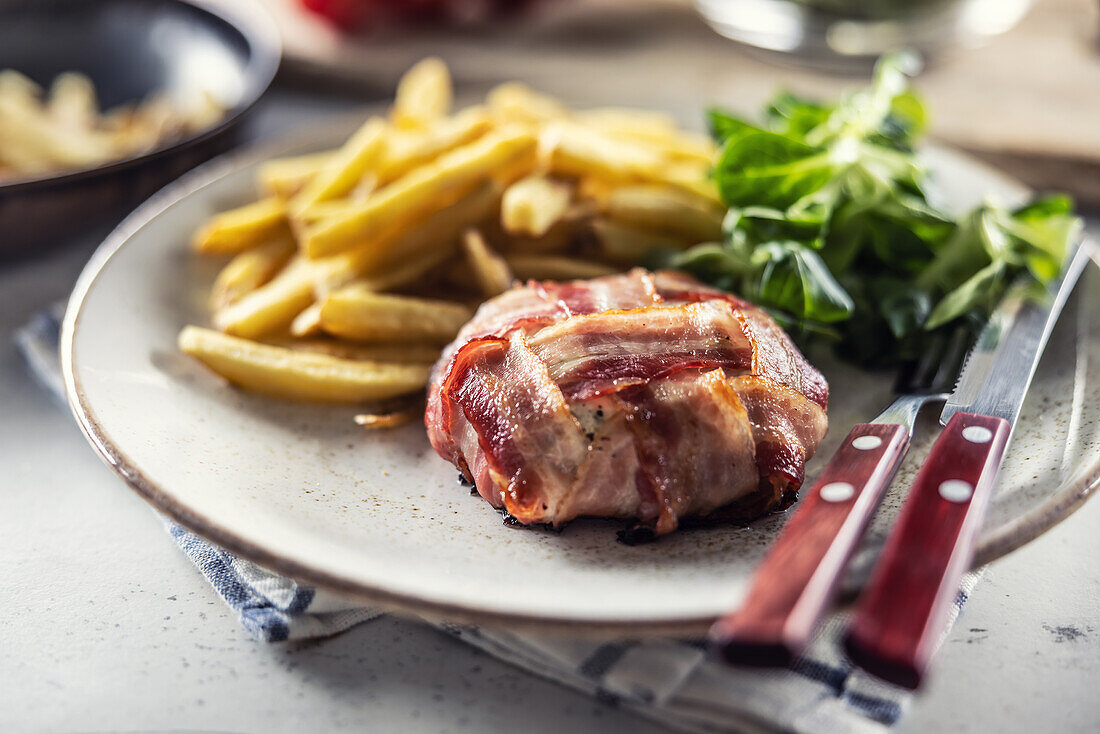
column 641, row 395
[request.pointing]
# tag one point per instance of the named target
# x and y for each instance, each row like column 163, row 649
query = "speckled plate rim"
column 1062, row 502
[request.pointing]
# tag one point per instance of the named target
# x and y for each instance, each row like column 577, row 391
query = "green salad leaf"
column 830, row 226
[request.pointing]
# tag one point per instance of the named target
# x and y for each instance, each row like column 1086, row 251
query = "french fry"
column 652, row 128
column 689, row 147
column 65, row 130
column 24, row 148
column 388, row 420
column 289, row 295
column 422, row 190
column 323, row 210
column 343, row 170
column 272, row 306
column 490, row 270
column 515, row 102
column 424, row 94
column 574, row 150
column 28, row 133
column 249, row 270
column 308, row 322
column 597, row 190
column 570, row 230
column 408, row 272
column 299, row 375
column 284, row 177
column 355, row 312
column 626, row 246
column 411, row 353
column 73, row 101
column 532, row 205
column 548, row 267
column 236, row 230
column 19, row 87
column 18, row 158
column 364, row 188
column 405, row 150
column 666, row 210
column 514, row 169
column 694, row 179
column 437, row 232
column 648, row 124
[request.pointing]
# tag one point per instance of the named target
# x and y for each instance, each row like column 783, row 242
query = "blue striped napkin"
column 672, row 682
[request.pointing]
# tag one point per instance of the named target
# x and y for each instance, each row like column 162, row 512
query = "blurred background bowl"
column 130, row 49
column 848, row 36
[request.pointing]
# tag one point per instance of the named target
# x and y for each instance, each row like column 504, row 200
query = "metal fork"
column 798, row 579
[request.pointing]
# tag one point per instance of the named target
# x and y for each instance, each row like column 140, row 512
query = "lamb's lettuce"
column 830, row 228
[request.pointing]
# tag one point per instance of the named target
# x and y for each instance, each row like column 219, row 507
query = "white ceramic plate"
column 378, row 516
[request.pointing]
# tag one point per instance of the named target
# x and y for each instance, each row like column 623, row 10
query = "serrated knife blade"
column 996, row 376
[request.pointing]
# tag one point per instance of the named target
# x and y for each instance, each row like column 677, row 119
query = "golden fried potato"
column 300, row 375
column 284, row 177
column 236, row 230
column 249, row 270
column 491, row 272
column 356, row 312
column 532, row 205
column 272, row 306
column 424, row 95
column 665, row 210
column 408, row 149
column 628, row 246
column 342, row 171
column 411, row 252
column 423, row 190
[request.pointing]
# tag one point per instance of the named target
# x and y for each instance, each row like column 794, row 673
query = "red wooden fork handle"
column 903, row 613
column 797, row 580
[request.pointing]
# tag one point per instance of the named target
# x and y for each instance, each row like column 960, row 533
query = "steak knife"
column 902, row 614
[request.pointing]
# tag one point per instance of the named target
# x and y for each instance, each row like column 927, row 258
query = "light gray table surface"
column 105, row 625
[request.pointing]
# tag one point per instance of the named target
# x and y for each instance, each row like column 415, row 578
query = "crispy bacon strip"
column 507, row 398
column 635, row 289
column 776, row 357
column 694, row 443
column 594, row 355
column 786, row 425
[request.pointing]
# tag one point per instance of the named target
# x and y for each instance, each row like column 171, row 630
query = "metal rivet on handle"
column 837, row 492
column 977, row 434
column 866, row 443
column 956, row 490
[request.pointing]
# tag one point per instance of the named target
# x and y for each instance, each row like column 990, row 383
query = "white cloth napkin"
column 673, row 682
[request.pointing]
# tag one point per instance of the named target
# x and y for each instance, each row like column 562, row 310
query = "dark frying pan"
column 129, row 49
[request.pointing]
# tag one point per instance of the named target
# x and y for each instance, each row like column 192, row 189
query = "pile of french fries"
column 64, row 130
column 356, row 265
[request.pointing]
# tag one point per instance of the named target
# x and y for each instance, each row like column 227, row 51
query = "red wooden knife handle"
column 903, row 612
column 797, row 580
